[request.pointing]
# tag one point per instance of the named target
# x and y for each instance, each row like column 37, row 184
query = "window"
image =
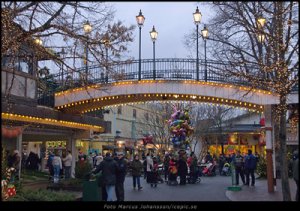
column 134, row 113
column 21, row 64
column 119, row 110
column 146, row 116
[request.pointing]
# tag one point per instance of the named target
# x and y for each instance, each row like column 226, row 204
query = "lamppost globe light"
column 261, row 37
column 153, row 34
column 261, row 21
column 87, row 27
column 197, row 16
column 140, row 19
column 38, row 41
column 204, row 32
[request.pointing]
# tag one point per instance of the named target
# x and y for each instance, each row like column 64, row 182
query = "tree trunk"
column 286, row 193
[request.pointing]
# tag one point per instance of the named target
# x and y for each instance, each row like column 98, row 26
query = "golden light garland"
column 157, row 97
column 48, row 121
column 245, row 88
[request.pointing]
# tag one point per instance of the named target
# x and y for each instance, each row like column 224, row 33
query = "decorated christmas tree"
column 3, row 163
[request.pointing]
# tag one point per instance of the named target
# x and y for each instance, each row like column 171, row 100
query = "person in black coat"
column 182, row 170
column 121, row 173
column 109, row 168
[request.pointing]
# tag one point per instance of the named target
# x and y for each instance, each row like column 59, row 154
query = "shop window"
column 134, row 113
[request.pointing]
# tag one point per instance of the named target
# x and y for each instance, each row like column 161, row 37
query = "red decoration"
column 244, row 141
column 262, row 122
column 11, row 191
column 148, row 140
column 262, row 140
column 11, row 132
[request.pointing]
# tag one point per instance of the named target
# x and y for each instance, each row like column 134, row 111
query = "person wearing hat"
column 109, row 168
column 296, row 171
column 121, row 173
column 14, row 162
column 250, row 166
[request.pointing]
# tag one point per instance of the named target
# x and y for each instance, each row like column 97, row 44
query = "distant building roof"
column 240, row 128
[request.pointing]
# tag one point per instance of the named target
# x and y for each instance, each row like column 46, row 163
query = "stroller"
column 196, row 178
column 226, row 170
column 210, row 170
column 172, row 178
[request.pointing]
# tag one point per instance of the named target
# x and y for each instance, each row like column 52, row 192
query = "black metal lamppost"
column 197, row 19
column 205, row 36
column 140, row 21
column 87, row 29
column 153, row 35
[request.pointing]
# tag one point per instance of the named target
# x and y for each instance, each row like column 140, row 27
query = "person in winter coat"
column 149, row 161
column 250, row 166
column 68, row 164
column 121, row 173
column 137, row 168
column 238, row 163
column 109, row 168
column 182, row 170
column 166, row 166
column 50, row 165
column 57, row 166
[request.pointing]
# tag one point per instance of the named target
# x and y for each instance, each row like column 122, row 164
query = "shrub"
column 82, row 168
column 261, row 169
column 42, row 195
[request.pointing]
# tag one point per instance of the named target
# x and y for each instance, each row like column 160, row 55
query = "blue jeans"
column 109, row 191
column 136, row 179
column 56, row 173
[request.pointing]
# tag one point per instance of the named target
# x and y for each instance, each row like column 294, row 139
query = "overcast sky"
column 172, row 20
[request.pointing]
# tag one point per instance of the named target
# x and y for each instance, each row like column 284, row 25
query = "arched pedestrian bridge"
column 175, row 81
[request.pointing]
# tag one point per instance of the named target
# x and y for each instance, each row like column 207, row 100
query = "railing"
column 166, row 69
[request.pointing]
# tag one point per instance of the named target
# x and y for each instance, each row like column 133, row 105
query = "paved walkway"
column 213, row 187
column 260, row 192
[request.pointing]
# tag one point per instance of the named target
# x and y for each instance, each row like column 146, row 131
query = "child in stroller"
column 209, row 170
column 172, row 178
column 226, row 170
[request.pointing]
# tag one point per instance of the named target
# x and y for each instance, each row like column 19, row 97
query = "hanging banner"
column 11, row 132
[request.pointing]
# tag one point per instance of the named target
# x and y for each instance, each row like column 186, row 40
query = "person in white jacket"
column 57, row 165
column 68, row 164
column 149, row 161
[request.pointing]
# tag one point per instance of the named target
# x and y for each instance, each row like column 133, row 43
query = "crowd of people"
column 114, row 168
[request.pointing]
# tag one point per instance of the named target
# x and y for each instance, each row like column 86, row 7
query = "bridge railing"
column 166, row 69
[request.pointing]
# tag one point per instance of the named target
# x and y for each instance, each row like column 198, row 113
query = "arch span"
column 94, row 97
